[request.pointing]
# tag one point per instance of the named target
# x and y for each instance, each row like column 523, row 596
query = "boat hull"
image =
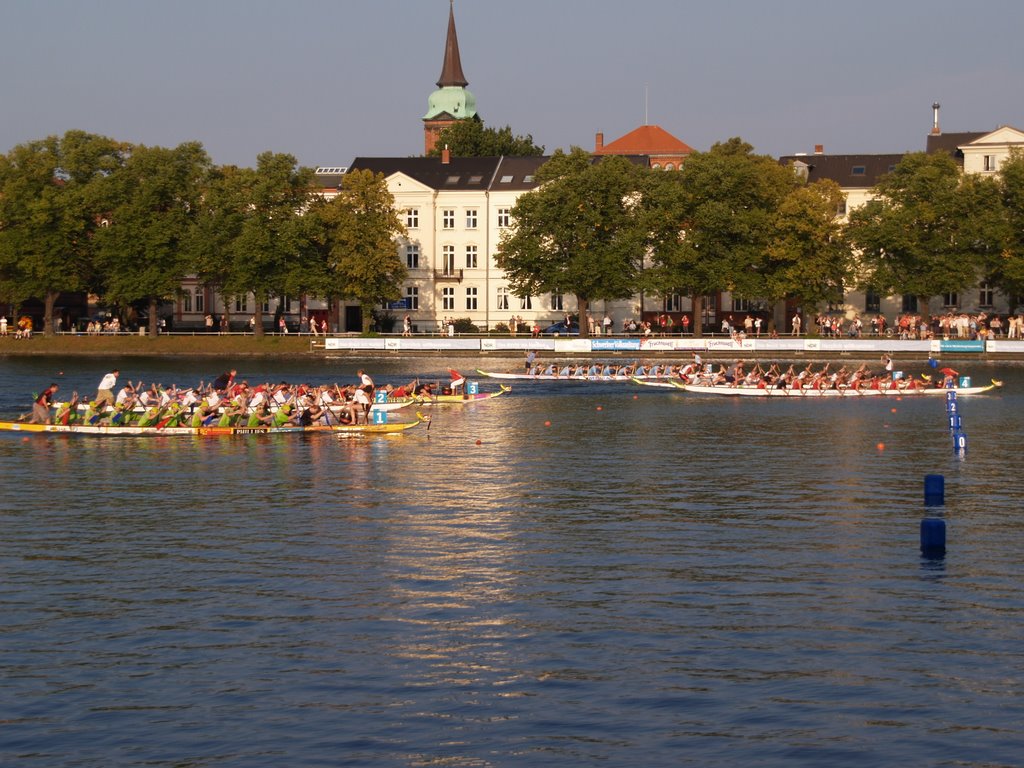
column 211, row 431
column 830, row 393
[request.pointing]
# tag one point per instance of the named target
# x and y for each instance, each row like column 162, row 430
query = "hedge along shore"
column 393, row 346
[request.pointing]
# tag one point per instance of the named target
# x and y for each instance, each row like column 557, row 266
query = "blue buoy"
column 933, row 536
column 950, row 395
column 959, row 442
column 933, row 363
column 954, row 422
column 934, row 490
column 951, row 406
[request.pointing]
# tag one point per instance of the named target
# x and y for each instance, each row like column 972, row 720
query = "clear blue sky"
column 327, row 80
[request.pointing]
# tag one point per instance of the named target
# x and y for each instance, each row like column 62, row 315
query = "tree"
column 580, row 231
column 469, row 138
column 922, row 235
column 49, row 215
column 267, row 248
column 153, row 202
column 808, row 259
column 713, row 221
column 1006, row 268
column 356, row 234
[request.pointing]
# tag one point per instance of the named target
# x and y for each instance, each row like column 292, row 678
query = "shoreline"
column 356, row 347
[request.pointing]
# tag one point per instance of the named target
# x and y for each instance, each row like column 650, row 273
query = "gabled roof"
column 461, row 173
column 948, row 142
column 848, row 171
column 646, row 140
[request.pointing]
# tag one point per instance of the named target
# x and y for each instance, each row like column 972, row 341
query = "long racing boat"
column 809, row 392
column 134, row 430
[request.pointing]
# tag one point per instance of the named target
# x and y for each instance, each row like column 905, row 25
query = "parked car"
column 560, row 329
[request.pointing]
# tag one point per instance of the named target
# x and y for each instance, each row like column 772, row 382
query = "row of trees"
column 129, row 223
column 731, row 220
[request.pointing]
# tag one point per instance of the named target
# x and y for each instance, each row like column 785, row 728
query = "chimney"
column 598, row 142
column 446, row 156
column 935, row 119
column 819, row 149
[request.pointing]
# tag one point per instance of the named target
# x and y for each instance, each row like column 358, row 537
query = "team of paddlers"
column 224, row 402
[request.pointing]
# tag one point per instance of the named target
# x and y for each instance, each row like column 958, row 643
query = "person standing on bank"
column 105, row 391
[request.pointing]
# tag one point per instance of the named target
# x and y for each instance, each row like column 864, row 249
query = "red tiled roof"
column 646, row 140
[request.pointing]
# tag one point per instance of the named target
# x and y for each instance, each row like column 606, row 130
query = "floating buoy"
column 599, row 408
column 636, row 397
column 959, row 442
column 893, row 410
column 478, row 442
column 880, row 446
column 547, row 423
column 954, row 422
column 933, row 536
column 934, row 490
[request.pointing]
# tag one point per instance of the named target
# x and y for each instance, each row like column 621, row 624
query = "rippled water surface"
column 574, row 574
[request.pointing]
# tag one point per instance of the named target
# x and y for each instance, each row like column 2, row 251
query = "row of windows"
column 472, row 297
column 472, row 255
column 448, row 217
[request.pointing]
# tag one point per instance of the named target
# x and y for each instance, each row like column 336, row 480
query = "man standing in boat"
column 41, row 406
column 105, row 392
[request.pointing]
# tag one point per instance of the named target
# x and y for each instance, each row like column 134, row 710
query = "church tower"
column 451, row 101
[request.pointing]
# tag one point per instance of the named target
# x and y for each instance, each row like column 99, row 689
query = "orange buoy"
column 478, row 442
column 893, row 410
column 880, row 446
column 547, row 423
column 599, row 408
column 636, row 397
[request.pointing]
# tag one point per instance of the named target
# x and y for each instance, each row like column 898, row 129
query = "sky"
column 331, row 80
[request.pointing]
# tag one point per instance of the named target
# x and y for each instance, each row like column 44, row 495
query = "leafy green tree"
column 356, row 234
column 808, row 258
column 712, row 223
column 49, row 214
column 581, row 231
column 923, row 235
column 153, row 203
column 266, row 245
column 1006, row 268
column 469, row 138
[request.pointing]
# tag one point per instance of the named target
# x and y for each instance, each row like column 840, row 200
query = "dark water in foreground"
column 669, row 580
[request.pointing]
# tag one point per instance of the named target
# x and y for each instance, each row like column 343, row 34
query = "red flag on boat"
column 457, row 378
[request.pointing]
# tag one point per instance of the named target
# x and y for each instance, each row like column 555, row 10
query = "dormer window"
column 858, row 170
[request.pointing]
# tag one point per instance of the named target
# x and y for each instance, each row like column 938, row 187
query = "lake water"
column 573, row 574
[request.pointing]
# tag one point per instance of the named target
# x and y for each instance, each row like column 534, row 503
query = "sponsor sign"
column 614, row 345
column 961, row 345
column 400, row 304
column 348, row 342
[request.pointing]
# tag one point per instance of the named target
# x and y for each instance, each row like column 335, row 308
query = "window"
column 452, row 180
column 447, row 298
column 471, row 298
column 242, row 303
column 841, row 209
column 412, row 298
column 471, row 218
column 872, row 301
column 504, row 216
column 266, row 306
column 909, row 303
column 412, row 218
column 525, row 302
column 858, row 170
column 471, row 254
column 656, row 166
column 412, row 256
column 186, row 301
column 502, row 298
column 672, row 303
column 286, row 304
column 990, row 163
column 448, row 219
column 670, row 166
column 950, row 299
column 200, row 300
column 506, row 179
column 448, row 260
column 556, row 302
column 475, row 179
column 985, row 295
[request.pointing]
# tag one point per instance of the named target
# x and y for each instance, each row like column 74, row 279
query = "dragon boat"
column 810, row 392
column 134, row 430
column 441, row 398
column 592, row 377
